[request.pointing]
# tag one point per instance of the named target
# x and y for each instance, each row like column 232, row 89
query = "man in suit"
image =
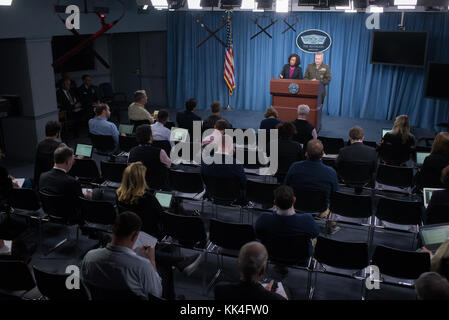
column 292, row 70
column 215, row 109
column 57, row 181
column 357, row 151
column 185, row 119
column 319, row 71
column 68, row 102
column 252, row 262
column 88, row 93
column 305, row 131
column 45, row 149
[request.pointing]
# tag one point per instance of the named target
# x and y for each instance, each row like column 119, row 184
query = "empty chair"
column 117, row 101
column 112, row 171
column 355, row 173
column 332, row 145
column 188, row 231
column 185, row 182
column 162, row 144
column 99, row 215
column 15, row 278
column 399, row 211
column 85, row 169
column 310, row 201
column 137, row 123
column 24, row 199
column 260, row 193
column 102, row 294
column 341, row 255
column 400, row 264
column 103, row 144
column 53, row 286
column 126, row 143
column 222, row 189
column 400, row 177
column 291, row 250
column 351, row 205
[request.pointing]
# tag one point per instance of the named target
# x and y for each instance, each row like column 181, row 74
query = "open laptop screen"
column 165, row 199
column 420, row 156
column 126, row 128
column 427, row 194
column 385, row 131
column 434, row 235
column 178, row 134
column 83, row 150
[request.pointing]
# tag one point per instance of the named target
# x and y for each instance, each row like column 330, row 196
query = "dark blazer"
column 57, row 182
column 431, row 170
column 297, row 74
column 244, row 290
column 157, row 172
column 303, row 131
column 88, row 95
column 223, row 170
column 63, row 101
column 149, row 210
column 358, row 152
column 393, row 151
column 185, row 120
column 44, row 158
column 439, row 198
column 289, row 151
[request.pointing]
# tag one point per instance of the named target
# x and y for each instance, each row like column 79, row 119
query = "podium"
column 288, row 94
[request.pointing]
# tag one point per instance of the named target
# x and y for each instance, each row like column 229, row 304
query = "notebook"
column 178, row 134
column 165, row 199
column 433, row 236
column 126, row 128
column 427, row 194
column 83, row 150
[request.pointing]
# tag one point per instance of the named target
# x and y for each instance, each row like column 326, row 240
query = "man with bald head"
column 312, row 173
column 252, row 263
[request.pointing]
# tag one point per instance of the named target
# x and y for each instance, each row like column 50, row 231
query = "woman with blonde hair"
column 398, row 145
column 437, row 160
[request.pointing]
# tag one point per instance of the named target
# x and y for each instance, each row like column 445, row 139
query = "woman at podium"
column 292, row 70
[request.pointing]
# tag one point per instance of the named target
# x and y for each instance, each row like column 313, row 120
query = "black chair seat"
column 351, row 205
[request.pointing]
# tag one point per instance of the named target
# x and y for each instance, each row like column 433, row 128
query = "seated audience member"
column 155, row 159
column 215, row 109
column 185, row 119
column 435, row 162
column 137, row 111
column 223, row 164
column 289, row 151
column 218, row 133
column 68, row 102
column 45, row 149
column 160, row 132
column 398, row 145
column 432, row 286
column 118, row 268
column 285, row 220
column 134, row 195
column 439, row 197
column 357, row 151
column 271, row 119
column 88, row 93
column 304, row 130
column 99, row 125
column 441, row 255
column 312, row 173
column 57, row 181
column 252, row 263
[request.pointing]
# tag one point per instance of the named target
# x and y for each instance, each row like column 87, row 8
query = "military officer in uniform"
column 319, row 71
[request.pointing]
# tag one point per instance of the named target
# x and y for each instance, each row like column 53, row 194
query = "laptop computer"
column 165, row 199
column 126, row 128
column 427, row 194
column 433, row 236
column 420, row 156
column 84, row 150
column 178, row 134
column 385, row 131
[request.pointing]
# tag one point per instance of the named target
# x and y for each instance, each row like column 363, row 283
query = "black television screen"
column 405, row 48
column 436, row 80
column 83, row 59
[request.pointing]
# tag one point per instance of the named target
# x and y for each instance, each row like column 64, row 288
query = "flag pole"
column 228, row 107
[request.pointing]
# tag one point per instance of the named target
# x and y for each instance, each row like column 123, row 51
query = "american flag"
column 229, row 75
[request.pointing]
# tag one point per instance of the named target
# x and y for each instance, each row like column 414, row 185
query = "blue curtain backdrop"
column 358, row 89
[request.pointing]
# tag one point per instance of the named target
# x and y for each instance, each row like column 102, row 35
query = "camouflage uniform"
column 323, row 73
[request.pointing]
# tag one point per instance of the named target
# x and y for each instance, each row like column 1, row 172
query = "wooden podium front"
column 288, row 94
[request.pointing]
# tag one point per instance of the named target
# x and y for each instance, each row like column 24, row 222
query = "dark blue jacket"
column 297, row 74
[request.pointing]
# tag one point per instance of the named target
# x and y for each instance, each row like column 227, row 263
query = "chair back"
column 219, row 234
column 339, row 254
column 186, row 182
column 259, row 192
column 188, row 230
column 438, row 214
column 106, row 91
column 137, row 123
column 53, row 286
column 394, row 154
column 287, row 249
column 101, row 212
column 15, row 276
column 400, row 263
column 24, row 199
column 58, row 207
column 162, row 144
column 332, row 145
column 310, row 200
column 399, row 211
column 355, row 173
column 126, row 143
column 102, row 143
column 112, row 171
column 351, row 205
column 222, row 189
column 102, row 294
column 85, row 169
column 372, row 144
column 401, row 177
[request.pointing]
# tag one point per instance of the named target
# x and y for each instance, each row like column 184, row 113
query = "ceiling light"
column 281, row 5
column 194, row 4
column 5, row 2
column 375, row 9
